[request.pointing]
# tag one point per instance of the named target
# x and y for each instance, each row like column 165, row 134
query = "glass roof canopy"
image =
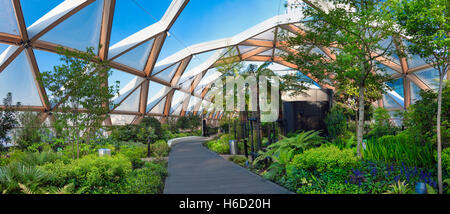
column 172, row 86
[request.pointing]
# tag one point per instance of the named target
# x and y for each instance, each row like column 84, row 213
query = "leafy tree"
column 382, row 125
column 195, row 121
column 420, row 118
column 426, row 23
column 147, row 136
column 8, row 120
column 30, row 129
column 78, row 86
column 154, row 123
column 336, row 122
column 352, row 31
column 183, row 123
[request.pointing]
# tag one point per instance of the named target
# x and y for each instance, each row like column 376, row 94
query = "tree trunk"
column 148, row 149
column 438, row 133
column 258, row 120
column 360, row 127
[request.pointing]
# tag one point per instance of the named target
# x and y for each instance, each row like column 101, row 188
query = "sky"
column 200, row 21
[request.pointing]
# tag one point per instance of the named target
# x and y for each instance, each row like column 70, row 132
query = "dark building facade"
column 306, row 111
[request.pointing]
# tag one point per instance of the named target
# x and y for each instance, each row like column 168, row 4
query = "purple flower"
column 396, row 178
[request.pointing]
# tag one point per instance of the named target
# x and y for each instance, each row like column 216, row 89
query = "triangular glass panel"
column 171, row 46
column 267, row 35
column 121, row 119
column 177, row 110
column 159, row 108
column 156, row 92
column 18, row 79
column 430, row 77
column 186, row 84
column 167, row 73
column 79, row 31
column 389, row 102
column 397, row 86
column 131, row 103
column 137, row 57
column 46, row 62
column 32, row 13
column 193, row 102
column 415, row 92
column 8, row 52
column 245, row 49
column 8, row 22
column 266, row 53
column 126, row 83
column 414, row 60
column 127, row 12
column 385, row 70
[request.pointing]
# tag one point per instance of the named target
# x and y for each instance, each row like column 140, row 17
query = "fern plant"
column 282, row 152
column 68, row 189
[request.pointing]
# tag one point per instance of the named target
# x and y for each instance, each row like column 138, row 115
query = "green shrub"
column 134, row 154
column 147, row 180
column 336, row 122
column 401, row 148
column 239, row 160
column 325, row 158
column 35, row 158
column 446, row 160
column 221, row 145
column 382, row 126
column 14, row 174
column 160, row 149
column 91, row 174
column 154, row 123
column 30, row 131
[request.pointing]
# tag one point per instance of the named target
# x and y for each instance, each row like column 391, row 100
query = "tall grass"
column 400, row 149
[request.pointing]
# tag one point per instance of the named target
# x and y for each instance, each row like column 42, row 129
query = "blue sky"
column 200, row 21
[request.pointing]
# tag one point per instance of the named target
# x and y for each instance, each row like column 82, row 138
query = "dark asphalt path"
column 193, row 169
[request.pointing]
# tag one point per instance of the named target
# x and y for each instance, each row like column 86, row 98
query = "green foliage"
column 35, row 158
column 325, row 158
column 183, row 123
column 398, row 149
column 8, row 120
column 154, row 123
column 124, row 133
column 293, row 145
column 239, row 160
column 446, row 160
column 399, row 188
column 336, row 122
column 17, row 173
column 91, row 174
column 29, row 132
column 83, row 84
column 382, row 125
column 221, row 145
column 345, row 143
column 160, row 149
column 420, row 118
column 134, row 154
column 282, row 152
column 195, row 121
column 426, row 23
column 147, row 180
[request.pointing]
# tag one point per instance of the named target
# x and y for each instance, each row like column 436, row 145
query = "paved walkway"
column 193, row 169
